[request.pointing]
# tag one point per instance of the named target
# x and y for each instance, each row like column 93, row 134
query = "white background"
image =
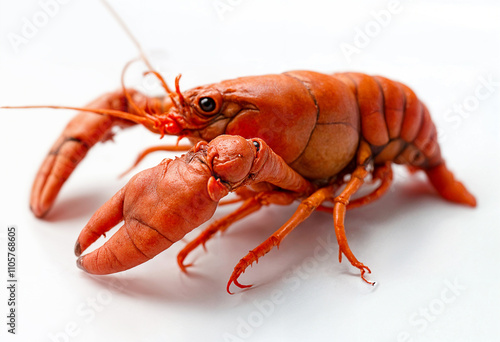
column 416, row 244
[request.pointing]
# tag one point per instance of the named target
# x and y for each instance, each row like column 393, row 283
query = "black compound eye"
column 207, row 104
column 257, row 145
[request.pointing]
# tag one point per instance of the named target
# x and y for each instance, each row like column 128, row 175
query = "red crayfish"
column 299, row 135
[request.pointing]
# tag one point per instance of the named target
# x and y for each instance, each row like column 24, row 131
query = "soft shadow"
column 205, row 281
column 77, row 206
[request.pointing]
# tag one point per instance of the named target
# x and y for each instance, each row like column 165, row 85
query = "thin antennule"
column 162, row 80
column 165, row 86
column 142, row 56
column 129, row 34
column 178, row 91
column 139, row 111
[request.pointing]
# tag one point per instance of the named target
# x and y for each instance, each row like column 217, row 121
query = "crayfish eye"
column 257, row 145
column 207, row 104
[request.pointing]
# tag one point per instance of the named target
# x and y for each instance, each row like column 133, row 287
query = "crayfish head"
column 231, row 158
column 205, row 112
column 193, row 113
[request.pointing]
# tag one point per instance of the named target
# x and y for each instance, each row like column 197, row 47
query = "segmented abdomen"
column 395, row 123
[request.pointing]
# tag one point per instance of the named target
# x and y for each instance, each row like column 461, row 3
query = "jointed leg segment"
column 339, row 210
column 305, row 209
column 382, row 173
column 248, row 207
column 341, row 203
column 149, row 150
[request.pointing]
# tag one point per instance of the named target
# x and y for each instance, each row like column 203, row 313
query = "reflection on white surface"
column 435, row 262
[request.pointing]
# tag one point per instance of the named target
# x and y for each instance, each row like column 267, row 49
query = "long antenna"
column 129, row 34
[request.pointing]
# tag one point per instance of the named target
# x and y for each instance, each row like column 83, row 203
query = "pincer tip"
column 78, row 249
column 79, row 264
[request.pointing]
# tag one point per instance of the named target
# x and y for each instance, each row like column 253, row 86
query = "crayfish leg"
column 242, row 194
column 304, row 210
column 384, row 174
column 339, row 211
column 248, row 207
column 149, row 150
